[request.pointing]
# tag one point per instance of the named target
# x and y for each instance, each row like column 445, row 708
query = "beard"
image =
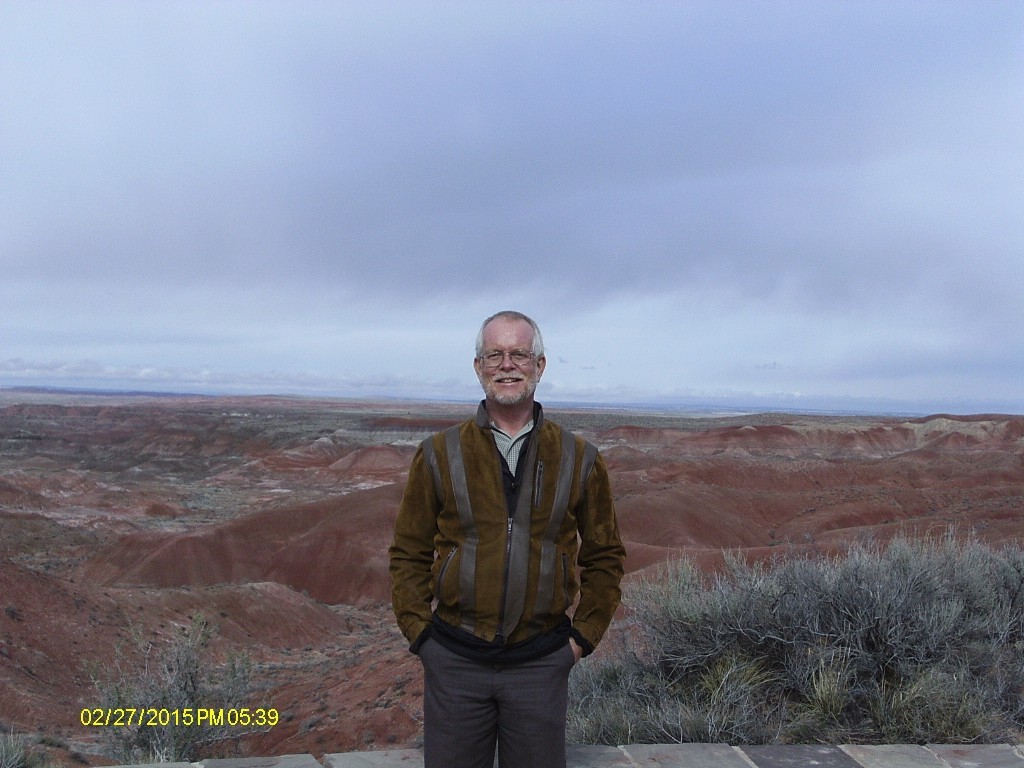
column 501, row 397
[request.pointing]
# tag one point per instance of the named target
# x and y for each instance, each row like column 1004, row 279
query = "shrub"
column 919, row 641
column 178, row 678
column 14, row 753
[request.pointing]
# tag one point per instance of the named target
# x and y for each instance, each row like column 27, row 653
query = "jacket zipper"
column 539, row 475
column 504, row 588
column 444, row 570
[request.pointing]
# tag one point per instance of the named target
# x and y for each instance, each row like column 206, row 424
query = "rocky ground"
column 122, row 517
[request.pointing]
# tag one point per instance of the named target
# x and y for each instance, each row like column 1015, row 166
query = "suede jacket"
column 506, row 576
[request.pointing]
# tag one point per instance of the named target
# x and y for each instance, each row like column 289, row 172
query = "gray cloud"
column 253, row 187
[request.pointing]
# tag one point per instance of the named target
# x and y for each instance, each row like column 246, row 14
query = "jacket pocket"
column 538, row 484
column 443, row 574
column 566, row 582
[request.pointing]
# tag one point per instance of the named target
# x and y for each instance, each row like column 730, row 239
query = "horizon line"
column 673, row 405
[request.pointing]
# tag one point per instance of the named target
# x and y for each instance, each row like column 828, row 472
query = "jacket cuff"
column 419, row 641
column 581, row 641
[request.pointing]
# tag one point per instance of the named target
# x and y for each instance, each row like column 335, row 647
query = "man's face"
column 508, row 383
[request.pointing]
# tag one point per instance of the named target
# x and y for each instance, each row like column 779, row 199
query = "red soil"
column 272, row 518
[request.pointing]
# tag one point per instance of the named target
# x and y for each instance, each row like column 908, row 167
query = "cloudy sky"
column 750, row 204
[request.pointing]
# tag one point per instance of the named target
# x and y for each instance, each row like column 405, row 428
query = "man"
column 498, row 511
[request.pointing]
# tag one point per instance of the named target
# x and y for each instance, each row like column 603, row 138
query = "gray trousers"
column 469, row 707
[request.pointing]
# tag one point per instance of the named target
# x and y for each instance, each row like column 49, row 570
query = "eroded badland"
column 122, row 517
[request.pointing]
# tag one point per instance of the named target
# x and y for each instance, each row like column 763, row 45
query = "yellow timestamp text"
column 121, row 717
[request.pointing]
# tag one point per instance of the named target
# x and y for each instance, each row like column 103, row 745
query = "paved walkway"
column 686, row 756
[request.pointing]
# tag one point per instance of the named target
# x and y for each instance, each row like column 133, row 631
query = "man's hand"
column 577, row 652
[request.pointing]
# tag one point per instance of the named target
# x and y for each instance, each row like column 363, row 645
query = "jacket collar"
column 485, row 423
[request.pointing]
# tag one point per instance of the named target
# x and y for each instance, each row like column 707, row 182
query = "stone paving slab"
column 685, row 756
column 979, row 755
column 798, row 756
column 577, row 756
column 387, row 758
column 280, row 761
column 593, row 756
column 893, row 756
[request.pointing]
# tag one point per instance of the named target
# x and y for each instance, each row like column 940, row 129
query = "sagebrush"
column 918, row 641
column 178, row 677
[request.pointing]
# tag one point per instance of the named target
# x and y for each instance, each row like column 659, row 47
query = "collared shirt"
column 511, row 445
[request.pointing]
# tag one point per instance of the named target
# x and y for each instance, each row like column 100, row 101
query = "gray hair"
column 511, row 314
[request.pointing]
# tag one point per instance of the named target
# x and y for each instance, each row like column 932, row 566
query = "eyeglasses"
column 519, row 358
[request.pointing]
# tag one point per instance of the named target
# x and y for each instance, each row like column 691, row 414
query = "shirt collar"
column 484, row 422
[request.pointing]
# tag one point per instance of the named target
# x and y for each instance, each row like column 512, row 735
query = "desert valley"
column 123, row 516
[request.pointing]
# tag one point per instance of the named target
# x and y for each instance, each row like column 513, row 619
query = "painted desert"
column 123, row 517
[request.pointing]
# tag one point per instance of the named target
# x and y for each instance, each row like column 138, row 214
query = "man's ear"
column 542, row 363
